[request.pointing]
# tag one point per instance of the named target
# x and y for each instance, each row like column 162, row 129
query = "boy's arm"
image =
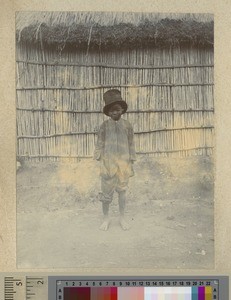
column 100, row 143
column 131, row 144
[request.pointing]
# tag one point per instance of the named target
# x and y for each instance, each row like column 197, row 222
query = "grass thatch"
column 117, row 30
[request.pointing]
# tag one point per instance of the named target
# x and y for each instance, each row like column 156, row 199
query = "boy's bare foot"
column 124, row 224
column 105, row 225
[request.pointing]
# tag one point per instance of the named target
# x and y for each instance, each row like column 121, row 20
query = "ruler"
column 25, row 287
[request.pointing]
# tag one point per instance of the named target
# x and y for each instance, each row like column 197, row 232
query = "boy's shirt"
column 115, row 148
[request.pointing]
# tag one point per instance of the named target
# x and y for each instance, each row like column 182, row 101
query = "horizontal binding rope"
column 128, row 111
column 56, row 63
column 113, row 86
column 91, row 156
column 176, row 150
column 55, row 156
column 95, row 132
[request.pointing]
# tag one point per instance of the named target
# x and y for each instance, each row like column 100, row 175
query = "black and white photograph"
column 125, row 98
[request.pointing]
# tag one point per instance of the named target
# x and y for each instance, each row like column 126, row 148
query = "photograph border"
column 221, row 11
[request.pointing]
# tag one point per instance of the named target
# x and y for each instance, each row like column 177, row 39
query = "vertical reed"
column 79, row 111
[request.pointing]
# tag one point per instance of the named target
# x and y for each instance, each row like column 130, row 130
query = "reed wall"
column 59, row 100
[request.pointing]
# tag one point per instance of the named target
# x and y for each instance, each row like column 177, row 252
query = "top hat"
column 111, row 98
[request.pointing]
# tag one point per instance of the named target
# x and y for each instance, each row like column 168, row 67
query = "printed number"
column 194, row 282
column 93, row 283
column 147, row 283
column 134, row 283
column 168, row 283
column 174, row 283
column 141, row 283
column 107, row 283
column 188, row 283
column 73, row 283
column 80, row 283
column 208, row 283
column 154, row 283
column 201, row 283
column 86, row 283
column 127, row 283
column 19, row 283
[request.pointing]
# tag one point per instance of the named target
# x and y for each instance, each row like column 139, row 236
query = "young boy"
column 116, row 152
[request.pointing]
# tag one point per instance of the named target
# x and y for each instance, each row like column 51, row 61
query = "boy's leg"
column 105, row 207
column 107, row 187
column 122, row 202
column 104, row 226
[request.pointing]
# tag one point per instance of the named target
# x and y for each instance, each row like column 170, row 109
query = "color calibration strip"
column 137, row 293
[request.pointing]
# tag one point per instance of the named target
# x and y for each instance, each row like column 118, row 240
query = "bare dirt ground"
column 169, row 207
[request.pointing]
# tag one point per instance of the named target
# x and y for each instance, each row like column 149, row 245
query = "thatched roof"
column 114, row 29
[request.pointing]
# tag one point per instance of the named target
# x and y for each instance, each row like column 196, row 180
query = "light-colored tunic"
column 115, row 149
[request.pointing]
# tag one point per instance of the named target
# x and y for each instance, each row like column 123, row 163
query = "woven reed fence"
column 59, row 100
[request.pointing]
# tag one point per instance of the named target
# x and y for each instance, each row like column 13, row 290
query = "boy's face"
column 115, row 112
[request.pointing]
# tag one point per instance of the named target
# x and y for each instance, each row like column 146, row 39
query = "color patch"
column 138, row 293
column 77, row 293
column 151, row 293
column 104, row 293
column 131, row 293
column 168, row 293
column 201, row 293
column 208, row 293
